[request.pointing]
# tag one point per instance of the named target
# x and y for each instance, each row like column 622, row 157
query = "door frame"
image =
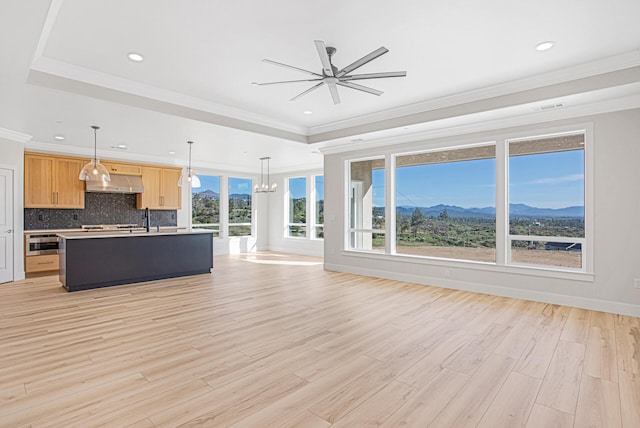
column 18, row 226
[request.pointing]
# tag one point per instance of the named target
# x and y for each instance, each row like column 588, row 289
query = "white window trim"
column 225, row 220
column 503, row 240
column 311, row 224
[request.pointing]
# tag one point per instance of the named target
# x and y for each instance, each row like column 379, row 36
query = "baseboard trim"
column 538, row 296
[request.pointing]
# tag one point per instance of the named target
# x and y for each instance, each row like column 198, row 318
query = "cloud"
column 556, row 180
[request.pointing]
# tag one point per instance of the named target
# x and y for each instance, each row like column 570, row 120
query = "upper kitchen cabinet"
column 161, row 191
column 52, row 182
column 122, row 168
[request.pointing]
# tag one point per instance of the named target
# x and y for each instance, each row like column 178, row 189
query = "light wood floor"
column 272, row 340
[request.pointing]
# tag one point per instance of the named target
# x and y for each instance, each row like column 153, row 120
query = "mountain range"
column 517, row 210
column 210, row 194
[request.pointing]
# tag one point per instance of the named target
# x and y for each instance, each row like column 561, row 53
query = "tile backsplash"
column 100, row 208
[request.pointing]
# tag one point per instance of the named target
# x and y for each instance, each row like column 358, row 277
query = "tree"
column 417, row 220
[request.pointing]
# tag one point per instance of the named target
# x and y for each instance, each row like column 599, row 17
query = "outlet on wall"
column 636, row 283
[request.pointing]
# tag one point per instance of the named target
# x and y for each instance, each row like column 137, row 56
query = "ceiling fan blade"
column 286, row 81
column 307, row 91
column 360, row 88
column 375, row 75
column 291, row 67
column 334, row 92
column 324, row 58
column 362, row 61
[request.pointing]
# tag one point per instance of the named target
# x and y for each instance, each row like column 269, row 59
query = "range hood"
column 118, row 184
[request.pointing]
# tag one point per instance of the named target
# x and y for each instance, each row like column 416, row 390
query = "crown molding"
column 16, row 136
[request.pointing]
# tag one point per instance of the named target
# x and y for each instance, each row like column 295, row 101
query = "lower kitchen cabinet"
column 41, row 263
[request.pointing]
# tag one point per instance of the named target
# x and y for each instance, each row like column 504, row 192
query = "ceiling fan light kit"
column 334, row 77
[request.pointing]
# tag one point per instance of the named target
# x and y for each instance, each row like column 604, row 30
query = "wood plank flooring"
column 273, row 340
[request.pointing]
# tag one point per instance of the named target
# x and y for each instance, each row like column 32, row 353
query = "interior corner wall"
column 13, row 157
column 616, row 252
column 278, row 217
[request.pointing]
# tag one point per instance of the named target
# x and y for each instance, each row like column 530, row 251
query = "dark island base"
column 103, row 262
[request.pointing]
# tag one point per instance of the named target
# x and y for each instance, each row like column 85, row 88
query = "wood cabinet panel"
column 38, row 183
column 161, row 191
column 122, row 168
column 52, row 182
column 170, row 191
column 41, row 263
column 70, row 190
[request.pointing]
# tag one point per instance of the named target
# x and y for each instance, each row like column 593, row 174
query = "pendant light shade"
column 265, row 187
column 189, row 178
column 94, row 170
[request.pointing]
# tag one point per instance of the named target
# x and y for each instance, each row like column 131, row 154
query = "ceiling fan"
column 332, row 77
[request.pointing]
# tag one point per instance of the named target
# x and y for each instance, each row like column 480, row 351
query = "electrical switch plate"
column 636, row 283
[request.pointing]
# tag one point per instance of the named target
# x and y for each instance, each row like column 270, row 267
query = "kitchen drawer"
column 41, row 263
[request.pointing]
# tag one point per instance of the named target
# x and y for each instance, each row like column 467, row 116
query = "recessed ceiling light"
column 59, row 137
column 135, row 57
column 355, row 140
column 172, row 152
column 545, row 46
column 121, row 146
column 307, row 112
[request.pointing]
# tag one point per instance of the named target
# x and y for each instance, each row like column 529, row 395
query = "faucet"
column 147, row 214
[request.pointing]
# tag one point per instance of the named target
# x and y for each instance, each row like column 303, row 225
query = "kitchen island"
column 98, row 259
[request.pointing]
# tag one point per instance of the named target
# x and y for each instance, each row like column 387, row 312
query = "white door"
column 6, row 225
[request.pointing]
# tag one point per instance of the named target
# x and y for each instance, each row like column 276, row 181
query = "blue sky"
column 297, row 187
column 550, row 180
column 212, row 182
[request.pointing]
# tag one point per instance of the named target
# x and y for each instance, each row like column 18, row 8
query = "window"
column 366, row 205
column 319, row 217
column 445, row 204
column 239, row 206
column 297, row 226
column 205, row 204
column 518, row 202
column 546, row 201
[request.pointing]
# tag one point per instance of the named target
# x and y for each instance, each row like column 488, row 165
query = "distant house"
column 563, row 246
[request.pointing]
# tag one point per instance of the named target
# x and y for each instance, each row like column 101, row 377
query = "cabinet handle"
column 162, row 201
column 45, row 263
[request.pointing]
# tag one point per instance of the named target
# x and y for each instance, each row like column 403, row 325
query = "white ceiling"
column 65, row 68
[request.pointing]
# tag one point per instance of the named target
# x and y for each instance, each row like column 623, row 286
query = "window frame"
column 217, row 233
column 311, row 224
column 287, row 198
column 503, row 262
column 228, row 223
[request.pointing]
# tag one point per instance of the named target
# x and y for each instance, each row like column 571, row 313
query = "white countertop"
column 127, row 234
column 56, row 231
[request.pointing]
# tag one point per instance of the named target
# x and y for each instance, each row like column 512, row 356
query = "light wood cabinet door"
column 122, row 168
column 151, row 182
column 52, row 182
column 169, row 190
column 161, row 191
column 38, row 183
column 69, row 188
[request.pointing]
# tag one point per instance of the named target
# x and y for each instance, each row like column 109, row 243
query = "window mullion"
column 502, row 203
column 390, row 205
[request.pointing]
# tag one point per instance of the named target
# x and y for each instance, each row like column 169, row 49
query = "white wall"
column 12, row 157
column 278, row 218
column 616, row 153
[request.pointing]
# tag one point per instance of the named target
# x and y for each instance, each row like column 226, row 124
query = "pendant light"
column 264, row 187
column 94, row 170
column 190, row 177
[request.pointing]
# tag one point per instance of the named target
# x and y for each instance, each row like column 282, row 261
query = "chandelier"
column 264, row 187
